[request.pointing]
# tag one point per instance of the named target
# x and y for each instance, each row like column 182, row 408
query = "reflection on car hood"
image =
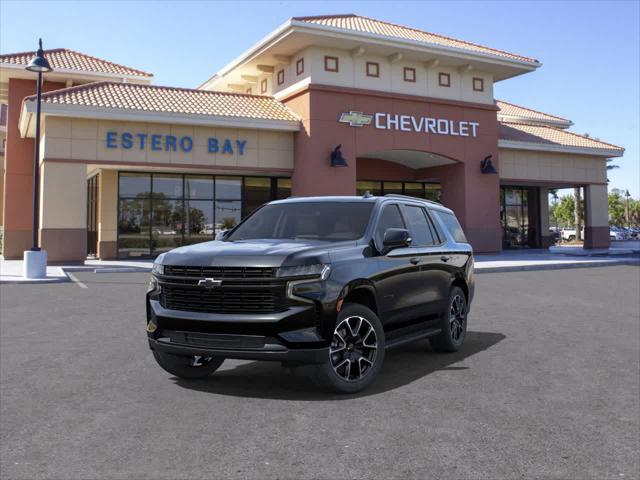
column 255, row 253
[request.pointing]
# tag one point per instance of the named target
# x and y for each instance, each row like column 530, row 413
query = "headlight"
column 154, row 286
column 157, row 269
column 318, row 270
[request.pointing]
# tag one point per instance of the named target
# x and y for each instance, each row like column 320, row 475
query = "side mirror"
column 395, row 238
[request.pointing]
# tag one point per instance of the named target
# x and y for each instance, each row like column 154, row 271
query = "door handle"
column 445, row 258
column 415, row 260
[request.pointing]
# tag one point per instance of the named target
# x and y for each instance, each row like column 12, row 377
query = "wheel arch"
column 362, row 292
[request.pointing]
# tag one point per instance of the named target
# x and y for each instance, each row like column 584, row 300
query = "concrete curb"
column 555, row 266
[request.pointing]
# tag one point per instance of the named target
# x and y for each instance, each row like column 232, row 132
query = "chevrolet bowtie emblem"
column 209, row 283
column 355, row 119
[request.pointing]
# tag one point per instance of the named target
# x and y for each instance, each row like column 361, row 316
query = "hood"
column 249, row 253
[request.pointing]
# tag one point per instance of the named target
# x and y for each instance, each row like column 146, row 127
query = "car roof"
column 367, row 198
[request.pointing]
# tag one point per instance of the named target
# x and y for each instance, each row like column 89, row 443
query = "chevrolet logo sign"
column 209, row 283
column 355, row 119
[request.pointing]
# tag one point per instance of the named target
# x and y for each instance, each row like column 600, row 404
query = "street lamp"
column 35, row 260
column 626, row 208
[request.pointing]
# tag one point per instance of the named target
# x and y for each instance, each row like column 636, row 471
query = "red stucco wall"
column 18, row 178
column 473, row 196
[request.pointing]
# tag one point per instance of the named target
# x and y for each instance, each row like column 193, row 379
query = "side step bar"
column 412, row 337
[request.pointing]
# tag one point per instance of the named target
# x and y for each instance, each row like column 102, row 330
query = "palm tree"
column 611, row 167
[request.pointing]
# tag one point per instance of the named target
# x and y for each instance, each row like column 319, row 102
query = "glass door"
column 519, row 217
column 92, row 216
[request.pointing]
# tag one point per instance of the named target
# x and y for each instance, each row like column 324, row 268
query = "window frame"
column 480, row 82
column 280, row 76
column 300, row 66
column 264, row 85
column 327, row 59
column 444, row 75
column 407, row 70
column 377, row 67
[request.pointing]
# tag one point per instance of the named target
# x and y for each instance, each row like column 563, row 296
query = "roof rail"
column 408, row 197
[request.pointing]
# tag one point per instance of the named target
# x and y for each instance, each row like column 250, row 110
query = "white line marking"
column 75, row 280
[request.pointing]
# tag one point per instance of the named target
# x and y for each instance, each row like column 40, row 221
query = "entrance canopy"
column 410, row 158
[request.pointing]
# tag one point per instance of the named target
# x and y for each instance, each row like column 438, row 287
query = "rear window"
column 451, row 224
column 421, row 235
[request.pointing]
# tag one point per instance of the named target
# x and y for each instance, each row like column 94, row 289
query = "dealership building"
column 331, row 105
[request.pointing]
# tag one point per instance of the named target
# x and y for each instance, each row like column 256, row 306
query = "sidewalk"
column 543, row 259
column 506, row 261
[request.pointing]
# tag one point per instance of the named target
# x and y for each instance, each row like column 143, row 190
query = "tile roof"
column 370, row 25
column 513, row 110
column 544, row 135
column 65, row 59
column 152, row 98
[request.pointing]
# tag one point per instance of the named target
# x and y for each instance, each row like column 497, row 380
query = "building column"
column 546, row 240
column 475, row 199
column 596, row 216
column 312, row 170
column 107, row 214
column 63, row 211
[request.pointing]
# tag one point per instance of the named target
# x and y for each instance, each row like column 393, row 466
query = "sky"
column 590, row 51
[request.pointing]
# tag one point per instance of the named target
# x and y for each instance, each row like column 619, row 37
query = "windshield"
column 326, row 221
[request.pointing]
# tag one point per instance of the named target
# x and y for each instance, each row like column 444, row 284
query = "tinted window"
column 420, row 233
column 326, row 221
column 390, row 218
column 451, row 224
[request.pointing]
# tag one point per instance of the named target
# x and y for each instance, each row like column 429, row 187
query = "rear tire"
column 188, row 367
column 356, row 352
column 454, row 323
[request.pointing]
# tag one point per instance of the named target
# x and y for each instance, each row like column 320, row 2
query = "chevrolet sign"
column 355, row 119
column 410, row 123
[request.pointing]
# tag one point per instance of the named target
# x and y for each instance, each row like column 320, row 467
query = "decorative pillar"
column 596, row 217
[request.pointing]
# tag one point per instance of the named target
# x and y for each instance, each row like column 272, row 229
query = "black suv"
column 328, row 281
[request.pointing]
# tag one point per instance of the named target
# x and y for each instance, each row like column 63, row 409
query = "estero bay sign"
column 411, row 123
column 171, row 143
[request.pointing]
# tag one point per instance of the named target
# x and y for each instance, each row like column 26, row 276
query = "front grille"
column 242, row 290
column 221, row 272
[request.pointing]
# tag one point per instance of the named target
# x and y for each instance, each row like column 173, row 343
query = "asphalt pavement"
column 547, row 386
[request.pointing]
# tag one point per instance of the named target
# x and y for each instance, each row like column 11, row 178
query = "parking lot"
column 547, row 386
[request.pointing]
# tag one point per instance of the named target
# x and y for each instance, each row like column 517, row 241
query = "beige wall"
column 552, row 167
column 352, row 73
column 80, row 139
column 598, row 201
column 108, row 206
column 63, row 195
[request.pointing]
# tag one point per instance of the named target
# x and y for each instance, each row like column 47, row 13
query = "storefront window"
column 133, row 226
column 257, row 192
column 158, row 212
column 374, row 188
column 392, row 187
column 283, row 188
column 428, row 191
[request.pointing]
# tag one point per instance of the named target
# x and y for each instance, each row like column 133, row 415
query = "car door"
column 397, row 275
column 430, row 291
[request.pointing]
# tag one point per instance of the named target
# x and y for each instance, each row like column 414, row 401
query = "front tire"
column 356, row 352
column 188, row 367
column 454, row 323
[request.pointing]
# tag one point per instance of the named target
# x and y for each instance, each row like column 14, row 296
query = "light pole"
column 555, row 205
column 35, row 260
column 626, row 208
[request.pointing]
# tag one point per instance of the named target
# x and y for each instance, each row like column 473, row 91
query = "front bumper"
column 272, row 352
column 291, row 336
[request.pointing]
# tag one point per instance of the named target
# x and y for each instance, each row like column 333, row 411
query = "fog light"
column 151, row 327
